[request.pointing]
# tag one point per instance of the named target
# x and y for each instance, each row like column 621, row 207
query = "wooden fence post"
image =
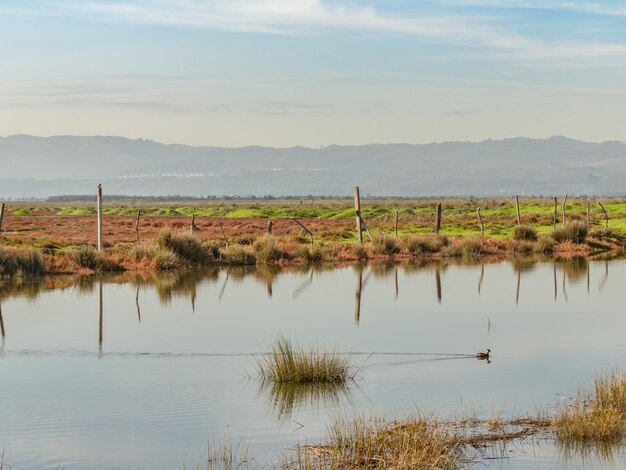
column 606, row 215
column 192, row 226
column 588, row 215
column 554, row 221
column 357, row 210
column 99, row 211
column 519, row 216
column 482, row 226
column 270, row 225
column 306, row 229
column 395, row 223
column 438, row 220
column 137, row 225
column 563, row 208
column 1, row 215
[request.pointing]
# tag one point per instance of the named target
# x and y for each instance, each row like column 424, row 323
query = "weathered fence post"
column 588, row 215
column 438, row 220
column 306, row 229
column 563, row 208
column 606, row 215
column 395, row 223
column 519, row 216
column 482, row 225
column 192, row 225
column 224, row 235
column 270, row 225
column 99, row 211
column 1, row 215
column 137, row 225
column 357, row 210
column 554, row 221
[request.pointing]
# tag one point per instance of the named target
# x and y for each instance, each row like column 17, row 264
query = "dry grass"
column 237, row 255
column 186, row 247
column 424, row 244
column 385, row 246
column 524, row 232
column 267, row 250
column 464, row 247
column 596, row 416
column 286, row 363
column 413, row 443
column 22, row 261
column 575, row 232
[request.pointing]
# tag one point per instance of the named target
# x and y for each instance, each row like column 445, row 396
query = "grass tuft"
column 286, row 363
column 186, row 247
column 237, row 255
column 524, row 232
column 26, row 261
column 599, row 416
column 464, row 247
column 385, row 246
column 87, row 257
column 422, row 244
column 267, row 250
column 412, row 443
column 575, row 232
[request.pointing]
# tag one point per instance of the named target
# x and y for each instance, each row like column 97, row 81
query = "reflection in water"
column 285, row 398
column 438, row 281
column 606, row 276
column 137, row 304
column 100, row 315
column 359, row 288
column 1, row 329
column 592, row 453
column 482, row 276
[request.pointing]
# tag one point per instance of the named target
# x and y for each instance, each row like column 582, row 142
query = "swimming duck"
column 483, row 355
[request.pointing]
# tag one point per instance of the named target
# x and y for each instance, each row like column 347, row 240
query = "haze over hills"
column 48, row 166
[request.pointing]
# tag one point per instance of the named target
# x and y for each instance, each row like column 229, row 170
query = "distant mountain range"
column 47, row 166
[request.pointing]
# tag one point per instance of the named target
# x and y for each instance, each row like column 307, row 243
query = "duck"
column 483, row 355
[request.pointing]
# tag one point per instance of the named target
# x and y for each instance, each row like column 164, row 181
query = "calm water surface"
column 135, row 372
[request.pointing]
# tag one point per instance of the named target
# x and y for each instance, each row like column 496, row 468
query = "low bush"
column 422, row 244
column 185, row 247
column 465, row 247
column 237, row 255
column 524, row 232
column 360, row 253
column 575, row 232
column 313, row 254
column 545, row 244
column 27, row 261
column 267, row 250
column 87, row 257
column 385, row 246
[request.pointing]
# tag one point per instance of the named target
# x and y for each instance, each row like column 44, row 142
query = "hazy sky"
column 313, row 72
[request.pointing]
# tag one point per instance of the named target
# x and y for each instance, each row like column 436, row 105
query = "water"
column 139, row 372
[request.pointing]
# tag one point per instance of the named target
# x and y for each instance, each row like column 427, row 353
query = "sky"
column 313, row 72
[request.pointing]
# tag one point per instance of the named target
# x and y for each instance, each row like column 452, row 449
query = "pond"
column 143, row 372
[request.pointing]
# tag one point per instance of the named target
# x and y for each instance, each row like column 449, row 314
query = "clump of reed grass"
column 312, row 255
column 413, row 443
column 164, row 260
column 385, row 246
column 360, row 253
column 237, row 255
column 524, row 232
column 286, row 363
column 25, row 261
column 521, row 246
column 545, row 244
column 575, row 232
column 186, row 247
column 88, row 258
column 267, row 250
column 226, row 456
column 598, row 416
column 465, row 247
column 423, row 244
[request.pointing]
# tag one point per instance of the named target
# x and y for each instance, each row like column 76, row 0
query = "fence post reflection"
column 100, row 315
column 359, row 288
column 438, row 281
